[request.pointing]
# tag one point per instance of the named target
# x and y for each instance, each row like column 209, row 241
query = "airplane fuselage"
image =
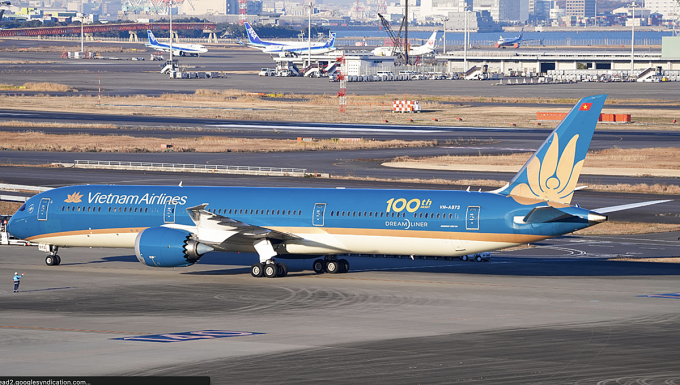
column 327, row 221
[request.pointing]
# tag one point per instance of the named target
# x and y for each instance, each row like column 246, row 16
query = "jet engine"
column 166, row 247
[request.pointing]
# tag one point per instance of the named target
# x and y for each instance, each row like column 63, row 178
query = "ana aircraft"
column 424, row 49
column 173, row 226
column 177, row 48
column 4, row 3
column 285, row 47
column 514, row 42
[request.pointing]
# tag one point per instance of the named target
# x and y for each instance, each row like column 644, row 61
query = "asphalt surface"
column 127, row 77
column 557, row 313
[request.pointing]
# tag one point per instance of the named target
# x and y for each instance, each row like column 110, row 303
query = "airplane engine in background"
column 166, row 247
column 516, row 45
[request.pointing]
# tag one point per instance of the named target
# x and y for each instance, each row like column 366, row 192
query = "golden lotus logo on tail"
column 552, row 179
column 74, row 198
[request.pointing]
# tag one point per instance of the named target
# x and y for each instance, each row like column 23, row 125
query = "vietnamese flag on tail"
column 585, row 106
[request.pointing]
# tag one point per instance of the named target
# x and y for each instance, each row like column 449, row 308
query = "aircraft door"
column 472, row 218
column 169, row 212
column 318, row 215
column 42, row 209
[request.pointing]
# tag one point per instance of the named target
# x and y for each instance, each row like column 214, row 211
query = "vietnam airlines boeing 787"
column 173, row 226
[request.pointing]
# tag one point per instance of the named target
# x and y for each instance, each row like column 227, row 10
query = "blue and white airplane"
column 514, row 42
column 288, row 47
column 173, row 226
column 177, row 48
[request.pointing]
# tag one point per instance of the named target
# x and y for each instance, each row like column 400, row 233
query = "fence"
column 197, row 168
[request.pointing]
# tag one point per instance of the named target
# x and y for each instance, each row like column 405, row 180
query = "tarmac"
column 559, row 312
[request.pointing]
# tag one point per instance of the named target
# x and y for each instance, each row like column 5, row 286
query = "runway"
column 556, row 313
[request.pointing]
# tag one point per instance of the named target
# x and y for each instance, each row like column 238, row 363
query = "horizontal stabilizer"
column 611, row 209
column 548, row 214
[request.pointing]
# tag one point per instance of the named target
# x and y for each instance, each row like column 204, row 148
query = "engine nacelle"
column 166, row 247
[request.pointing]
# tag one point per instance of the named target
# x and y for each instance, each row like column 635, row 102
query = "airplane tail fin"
column 331, row 41
column 252, row 35
column 152, row 38
column 521, row 34
column 2, row 11
column 553, row 170
column 432, row 40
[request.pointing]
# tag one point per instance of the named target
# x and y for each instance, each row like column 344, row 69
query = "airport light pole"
column 309, row 36
column 465, row 40
column 170, row 13
column 445, row 20
column 632, row 42
column 82, row 32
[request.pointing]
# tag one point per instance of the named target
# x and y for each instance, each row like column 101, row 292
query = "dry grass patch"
column 9, row 208
column 44, row 86
column 36, row 141
column 237, row 104
column 659, row 158
column 628, row 228
column 633, row 259
column 17, row 123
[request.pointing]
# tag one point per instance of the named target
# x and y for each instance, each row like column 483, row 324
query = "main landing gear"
column 269, row 269
column 53, row 259
column 330, row 265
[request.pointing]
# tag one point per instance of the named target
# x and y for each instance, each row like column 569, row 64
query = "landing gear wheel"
column 281, row 269
column 257, row 270
column 344, row 265
column 319, row 267
column 478, row 258
column 332, row 267
column 270, row 270
column 50, row 260
column 464, row 258
column 57, row 260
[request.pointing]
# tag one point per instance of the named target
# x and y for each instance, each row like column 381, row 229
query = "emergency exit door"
column 42, row 209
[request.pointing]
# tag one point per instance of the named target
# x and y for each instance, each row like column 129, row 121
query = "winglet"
column 552, row 172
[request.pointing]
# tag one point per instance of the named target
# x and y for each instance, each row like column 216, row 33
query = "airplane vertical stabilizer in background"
column 424, row 49
column 283, row 46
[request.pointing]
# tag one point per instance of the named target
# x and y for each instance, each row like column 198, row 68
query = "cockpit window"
column 23, row 207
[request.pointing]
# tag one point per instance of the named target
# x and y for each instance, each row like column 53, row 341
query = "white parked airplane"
column 417, row 51
column 177, row 48
column 283, row 47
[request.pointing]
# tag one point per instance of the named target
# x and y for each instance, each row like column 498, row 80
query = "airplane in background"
column 177, row 48
column 514, row 42
column 173, row 226
column 284, row 47
column 424, row 49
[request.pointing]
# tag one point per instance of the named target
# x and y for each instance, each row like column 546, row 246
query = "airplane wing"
column 611, row 209
column 214, row 228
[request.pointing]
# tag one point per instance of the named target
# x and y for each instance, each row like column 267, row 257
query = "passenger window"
column 370, row 213
column 288, row 212
column 78, row 208
column 437, row 215
column 251, row 211
column 381, row 214
column 332, row 213
column 299, row 212
column 421, row 215
column 354, row 213
column 114, row 209
column 99, row 209
column 343, row 213
column 278, row 212
column 109, row 209
column 146, row 209
column 62, row 208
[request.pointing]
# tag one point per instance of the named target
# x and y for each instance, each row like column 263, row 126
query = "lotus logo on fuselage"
column 74, row 198
column 552, row 179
